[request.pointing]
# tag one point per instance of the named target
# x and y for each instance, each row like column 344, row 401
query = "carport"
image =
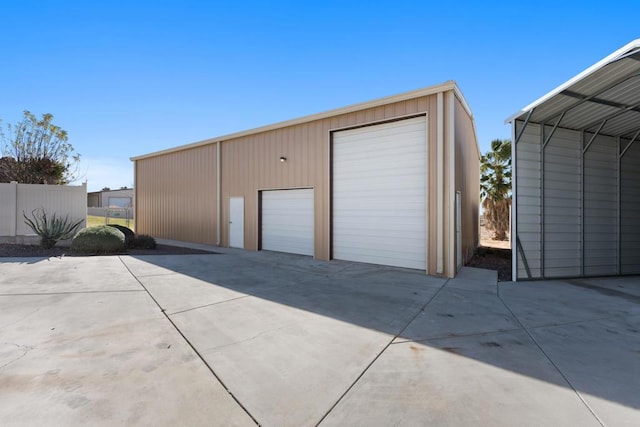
column 576, row 175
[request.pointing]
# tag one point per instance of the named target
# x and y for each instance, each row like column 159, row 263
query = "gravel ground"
column 493, row 255
column 11, row 250
column 493, row 259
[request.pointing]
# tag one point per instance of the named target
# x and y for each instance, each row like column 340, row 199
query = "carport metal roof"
column 604, row 99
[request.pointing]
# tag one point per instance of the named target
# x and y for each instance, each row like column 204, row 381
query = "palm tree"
column 495, row 187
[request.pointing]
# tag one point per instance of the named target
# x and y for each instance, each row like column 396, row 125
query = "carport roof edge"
column 600, row 78
column 430, row 90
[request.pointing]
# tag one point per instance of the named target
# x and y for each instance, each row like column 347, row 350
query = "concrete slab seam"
column 72, row 292
column 575, row 390
column 381, row 352
column 208, row 305
column 454, row 336
column 209, row 367
column 172, row 273
column 596, row 319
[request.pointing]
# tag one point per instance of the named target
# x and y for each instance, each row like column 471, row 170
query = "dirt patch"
column 11, row 250
column 493, row 259
column 486, row 239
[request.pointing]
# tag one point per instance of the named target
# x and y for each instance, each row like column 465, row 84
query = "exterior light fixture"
column 283, row 159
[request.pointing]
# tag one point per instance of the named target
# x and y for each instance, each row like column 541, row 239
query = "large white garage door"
column 287, row 221
column 379, row 194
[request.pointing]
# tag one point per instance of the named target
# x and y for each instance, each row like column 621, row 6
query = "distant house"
column 111, row 199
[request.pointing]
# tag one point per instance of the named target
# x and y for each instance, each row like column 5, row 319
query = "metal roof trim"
column 630, row 47
column 431, row 90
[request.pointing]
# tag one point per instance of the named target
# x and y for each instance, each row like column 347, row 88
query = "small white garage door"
column 379, row 194
column 287, row 221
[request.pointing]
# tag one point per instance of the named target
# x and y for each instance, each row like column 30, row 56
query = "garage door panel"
column 287, row 221
column 397, row 259
column 379, row 194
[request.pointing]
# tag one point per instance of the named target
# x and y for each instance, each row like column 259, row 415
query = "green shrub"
column 101, row 239
column 129, row 235
column 51, row 229
column 143, row 241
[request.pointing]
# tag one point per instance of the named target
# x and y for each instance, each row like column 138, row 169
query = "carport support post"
column 514, row 208
column 618, row 217
column 543, row 144
column 583, row 152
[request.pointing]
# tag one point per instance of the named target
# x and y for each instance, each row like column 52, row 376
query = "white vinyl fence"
column 18, row 198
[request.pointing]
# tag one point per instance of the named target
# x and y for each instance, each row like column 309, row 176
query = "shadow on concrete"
column 572, row 336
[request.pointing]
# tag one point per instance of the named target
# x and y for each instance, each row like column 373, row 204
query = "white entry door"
column 236, row 222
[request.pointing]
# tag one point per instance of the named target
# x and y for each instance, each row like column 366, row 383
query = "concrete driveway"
column 245, row 338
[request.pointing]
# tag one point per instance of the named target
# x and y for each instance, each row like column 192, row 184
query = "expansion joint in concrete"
column 209, row 367
column 364, row 371
column 546, row 355
column 71, row 292
column 454, row 336
column 208, row 305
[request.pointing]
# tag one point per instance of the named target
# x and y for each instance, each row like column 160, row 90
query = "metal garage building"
column 377, row 182
column 577, row 174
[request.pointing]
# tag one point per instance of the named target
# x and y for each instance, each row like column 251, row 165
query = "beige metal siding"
column 467, row 180
column 176, row 195
column 176, row 190
column 432, row 135
column 252, row 163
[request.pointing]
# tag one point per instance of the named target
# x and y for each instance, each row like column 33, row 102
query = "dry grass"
column 93, row 220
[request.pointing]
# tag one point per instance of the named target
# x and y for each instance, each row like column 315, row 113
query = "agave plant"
column 51, row 229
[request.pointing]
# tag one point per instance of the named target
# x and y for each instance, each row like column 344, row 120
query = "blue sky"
column 128, row 78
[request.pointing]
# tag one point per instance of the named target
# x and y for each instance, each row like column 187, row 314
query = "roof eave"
column 618, row 54
column 431, row 90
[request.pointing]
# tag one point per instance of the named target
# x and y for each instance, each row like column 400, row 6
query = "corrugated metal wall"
column 630, row 204
column 176, row 191
column 467, row 179
column 601, row 207
column 176, row 195
column 562, row 203
column 252, row 163
column 577, row 204
column 528, row 193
